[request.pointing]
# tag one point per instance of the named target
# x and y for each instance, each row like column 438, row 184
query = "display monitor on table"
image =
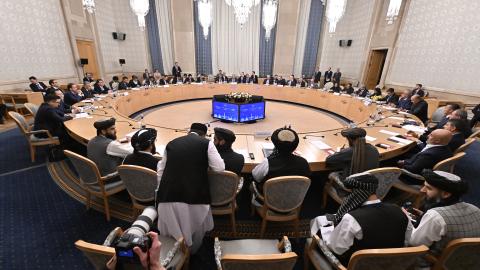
column 225, row 111
column 252, row 111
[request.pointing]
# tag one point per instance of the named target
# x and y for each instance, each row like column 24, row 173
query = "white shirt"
column 261, row 170
column 431, row 229
column 215, row 161
column 344, row 234
column 117, row 149
column 428, row 146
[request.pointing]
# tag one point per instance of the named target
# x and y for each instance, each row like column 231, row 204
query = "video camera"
column 135, row 236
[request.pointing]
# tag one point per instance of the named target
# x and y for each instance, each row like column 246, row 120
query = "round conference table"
column 313, row 144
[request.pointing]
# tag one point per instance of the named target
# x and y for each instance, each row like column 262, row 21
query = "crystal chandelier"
column 89, row 6
column 269, row 17
column 242, row 9
column 393, row 9
column 335, row 11
column 140, row 8
column 205, row 15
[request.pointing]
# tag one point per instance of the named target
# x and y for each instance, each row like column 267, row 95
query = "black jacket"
column 318, row 75
column 175, row 72
column 37, row 88
column 50, row 119
column 97, row 89
column 71, row 98
column 123, row 86
column 391, row 99
column 142, row 159
column 420, row 110
column 133, row 84
column 426, row 159
column 457, row 140
column 233, row 161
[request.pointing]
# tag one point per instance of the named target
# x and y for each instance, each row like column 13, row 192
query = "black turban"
column 143, row 138
column 199, row 128
column 285, row 140
column 362, row 185
column 354, row 133
column 225, row 134
column 446, row 181
column 104, row 123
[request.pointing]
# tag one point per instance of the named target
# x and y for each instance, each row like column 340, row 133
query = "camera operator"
column 149, row 259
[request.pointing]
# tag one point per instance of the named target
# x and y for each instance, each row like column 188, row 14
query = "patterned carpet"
column 42, row 217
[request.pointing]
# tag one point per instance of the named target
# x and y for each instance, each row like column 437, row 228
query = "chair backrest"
column 475, row 134
column 386, row 177
column 32, row 108
column 285, row 193
column 86, row 169
column 20, row 121
column 98, row 255
column 140, row 182
column 438, row 114
column 460, row 254
column 465, row 146
column 448, row 165
column 282, row 261
column 389, row 258
column 432, row 106
column 223, row 187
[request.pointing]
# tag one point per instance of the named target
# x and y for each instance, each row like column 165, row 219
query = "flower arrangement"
column 238, row 97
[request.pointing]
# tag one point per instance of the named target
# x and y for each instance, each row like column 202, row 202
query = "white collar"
column 428, row 146
column 372, row 202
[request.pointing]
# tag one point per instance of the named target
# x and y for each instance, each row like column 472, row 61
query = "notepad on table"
column 388, row 132
column 321, row 145
column 414, row 128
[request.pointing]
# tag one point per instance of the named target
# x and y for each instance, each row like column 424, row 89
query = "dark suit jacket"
column 328, row 76
column 254, row 78
column 87, row 93
column 420, row 110
column 87, row 79
column 133, row 84
column 362, row 93
column 348, row 90
column 404, row 103
column 175, row 72
column 142, row 159
column 292, row 82
column 419, row 92
column 337, row 76
column 71, row 98
column 391, row 99
column 50, row 119
column 426, row 159
column 318, row 75
column 123, row 86
column 36, row 88
column 457, row 140
column 233, row 161
column 100, row 90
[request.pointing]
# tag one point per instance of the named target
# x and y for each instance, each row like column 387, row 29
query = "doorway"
column 86, row 50
column 375, row 68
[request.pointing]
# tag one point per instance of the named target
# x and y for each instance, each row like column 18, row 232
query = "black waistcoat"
column 185, row 176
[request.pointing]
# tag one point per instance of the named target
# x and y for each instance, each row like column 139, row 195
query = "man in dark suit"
column 49, row 118
column 457, row 128
column 62, row 107
column 143, row 143
column 134, row 82
column 418, row 90
column 337, row 76
column 349, row 89
column 123, row 85
column 100, row 87
column 317, row 77
column 88, row 77
column 223, row 141
column 301, row 82
column 404, row 102
column 436, row 150
column 87, row 90
column 362, row 92
column 281, row 81
column 292, row 82
column 419, row 108
column 391, row 98
column 53, row 87
column 37, row 86
column 176, row 70
column 73, row 94
column 254, row 78
column 268, row 80
column 328, row 76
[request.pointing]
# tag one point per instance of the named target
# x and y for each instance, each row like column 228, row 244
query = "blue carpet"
column 15, row 152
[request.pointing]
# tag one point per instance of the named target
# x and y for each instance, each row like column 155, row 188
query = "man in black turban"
column 282, row 162
column 446, row 217
column 223, row 140
column 143, row 143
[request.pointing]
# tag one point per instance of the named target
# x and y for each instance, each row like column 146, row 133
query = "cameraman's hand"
column 151, row 258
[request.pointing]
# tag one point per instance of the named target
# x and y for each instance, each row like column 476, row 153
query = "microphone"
column 105, row 112
column 123, row 121
column 316, row 136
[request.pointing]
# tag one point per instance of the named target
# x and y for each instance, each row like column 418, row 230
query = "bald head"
column 416, row 98
column 439, row 137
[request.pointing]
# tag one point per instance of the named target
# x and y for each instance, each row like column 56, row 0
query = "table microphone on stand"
column 316, row 136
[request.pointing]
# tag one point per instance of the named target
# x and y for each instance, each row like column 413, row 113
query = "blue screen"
column 225, row 111
column 126, row 253
column 252, row 111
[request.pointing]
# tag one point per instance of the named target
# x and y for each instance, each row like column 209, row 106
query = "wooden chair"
column 447, row 165
column 33, row 141
column 475, row 135
column 386, row 177
column 93, row 182
column 458, row 254
column 282, row 199
column 9, row 101
column 174, row 253
column 254, row 254
column 464, row 146
column 141, row 184
column 32, row 108
column 223, row 193
column 318, row 255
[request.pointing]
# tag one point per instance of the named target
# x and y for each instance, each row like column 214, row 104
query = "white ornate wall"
column 439, row 46
column 354, row 25
column 116, row 16
column 34, row 42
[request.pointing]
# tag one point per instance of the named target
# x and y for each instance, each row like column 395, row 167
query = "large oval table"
column 125, row 105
